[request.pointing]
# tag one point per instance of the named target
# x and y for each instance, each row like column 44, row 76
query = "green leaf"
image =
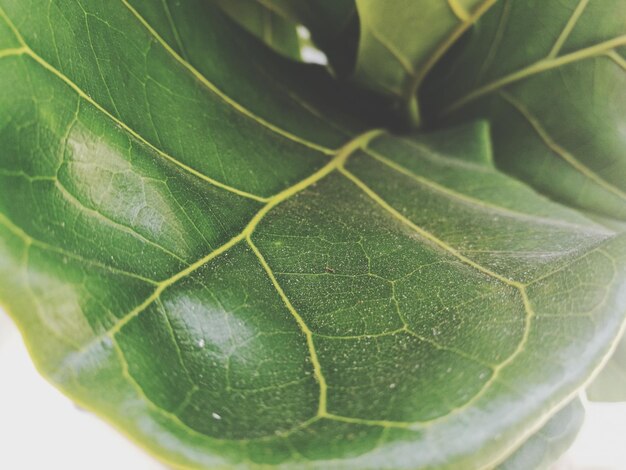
column 551, row 78
column 198, row 247
column 610, row 384
column 401, row 40
column 273, row 29
column 333, row 25
column 550, row 442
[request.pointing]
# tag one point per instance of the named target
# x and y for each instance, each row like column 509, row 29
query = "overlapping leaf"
column 272, row 28
column 199, row 247
column 333, row 24
column 401, row 40
column 551, row 77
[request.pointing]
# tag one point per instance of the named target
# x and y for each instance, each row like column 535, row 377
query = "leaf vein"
column 558, row 149
column 213, row 88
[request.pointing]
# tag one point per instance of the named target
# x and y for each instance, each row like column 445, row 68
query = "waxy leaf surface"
column 551, row 78
column 197, row 247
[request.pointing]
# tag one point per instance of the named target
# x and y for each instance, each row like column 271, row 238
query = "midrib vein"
column 246, row 234
column 227, row 99
column 540, row 66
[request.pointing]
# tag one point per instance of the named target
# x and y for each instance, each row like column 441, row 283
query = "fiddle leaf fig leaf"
column 610, row 384
column 202, row 243
column 401, row 40
column 554, row 93
column 273, row 29
column 550, row 442
column 334, row 27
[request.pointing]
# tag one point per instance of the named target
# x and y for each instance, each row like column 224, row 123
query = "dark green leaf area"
column 553, row 91
column 221, row 351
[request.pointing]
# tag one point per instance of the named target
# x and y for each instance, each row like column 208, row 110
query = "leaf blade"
column 573, row 133
column 188, row 343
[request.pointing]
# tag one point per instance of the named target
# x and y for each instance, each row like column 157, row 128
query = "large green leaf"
column 610, row 384
column 550, row 442
column 204, row 253
column 273, row 29
column 401, row 40
column 551, row 77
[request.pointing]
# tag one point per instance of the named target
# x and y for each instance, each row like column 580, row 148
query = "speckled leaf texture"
column 203, row 247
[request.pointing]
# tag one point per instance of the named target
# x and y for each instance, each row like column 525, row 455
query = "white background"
column 41, row 429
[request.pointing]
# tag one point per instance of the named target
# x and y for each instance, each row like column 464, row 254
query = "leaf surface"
column 610, row 384
column 401, row 40
column 333, row 25
column 200, row 248
column 550, row 442
column 556, row 104
column 273, row 29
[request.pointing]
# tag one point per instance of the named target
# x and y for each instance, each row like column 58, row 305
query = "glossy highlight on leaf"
column 233, row 268
column 547, row 445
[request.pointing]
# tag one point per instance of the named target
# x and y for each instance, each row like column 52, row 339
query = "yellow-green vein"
column 558, row 149
column 227, row 99
column 540, row 66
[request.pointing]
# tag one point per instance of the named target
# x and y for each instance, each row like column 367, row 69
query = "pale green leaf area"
column 610, row 384
column 546, row 446
column 552, row 85
column 401, row 40
column 276, row 31
column 219, row 259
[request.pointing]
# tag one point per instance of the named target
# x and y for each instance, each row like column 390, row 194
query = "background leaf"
column 333, row 25
column 273, row 29
column 556, row 104
column 212, row 253
column 401, row 40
